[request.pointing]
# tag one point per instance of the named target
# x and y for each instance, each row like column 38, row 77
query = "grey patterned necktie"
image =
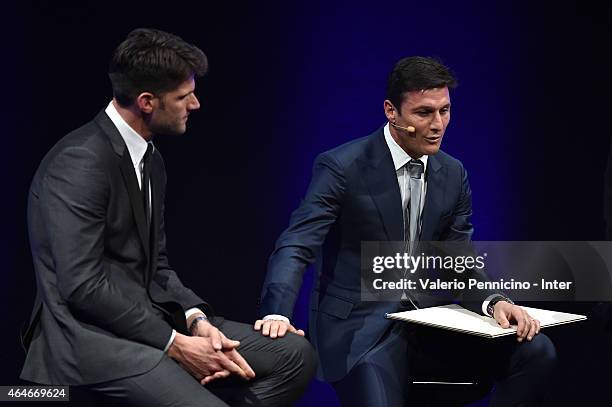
column 412, row 222
column 415, row 169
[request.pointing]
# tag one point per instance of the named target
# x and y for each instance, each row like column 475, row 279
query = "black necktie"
column 146, row 178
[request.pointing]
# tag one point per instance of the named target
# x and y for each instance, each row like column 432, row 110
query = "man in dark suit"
column 365, row 190
column 111, row 315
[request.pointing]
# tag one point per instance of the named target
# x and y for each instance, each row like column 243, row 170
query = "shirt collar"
column 399, row 156
column 136, row 145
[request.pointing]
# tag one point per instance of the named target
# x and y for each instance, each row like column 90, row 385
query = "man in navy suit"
column 358, row 193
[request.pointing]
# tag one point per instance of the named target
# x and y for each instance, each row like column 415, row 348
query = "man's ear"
column 390, row 111
column 146, row 102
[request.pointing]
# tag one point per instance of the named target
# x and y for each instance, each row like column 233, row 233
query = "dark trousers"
column 283, row 368
column 383, row 377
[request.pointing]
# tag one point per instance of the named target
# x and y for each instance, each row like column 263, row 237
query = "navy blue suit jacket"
column 353, row 197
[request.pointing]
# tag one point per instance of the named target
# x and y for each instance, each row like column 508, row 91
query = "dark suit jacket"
column 353, row 197
column 107, row 299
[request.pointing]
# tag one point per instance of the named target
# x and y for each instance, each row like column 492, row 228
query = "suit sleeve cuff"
column 192, row 311
column 276, row 317
column 170, row 341
column 486, row 302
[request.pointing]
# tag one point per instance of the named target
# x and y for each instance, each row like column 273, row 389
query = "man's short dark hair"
column 417, row 73
column 153, row 61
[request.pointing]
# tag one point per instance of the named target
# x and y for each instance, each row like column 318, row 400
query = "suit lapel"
column 436, row 177
column 156, row 208
column 381, row 180
column 129, row 177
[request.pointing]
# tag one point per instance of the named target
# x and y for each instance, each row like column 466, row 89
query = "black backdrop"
column 290, row 80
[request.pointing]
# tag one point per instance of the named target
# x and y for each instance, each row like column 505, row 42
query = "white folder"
column 456, row 318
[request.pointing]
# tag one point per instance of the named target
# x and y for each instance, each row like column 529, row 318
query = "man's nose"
column 436, row 123
column 194, row 103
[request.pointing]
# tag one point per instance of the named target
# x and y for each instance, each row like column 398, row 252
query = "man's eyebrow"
column 429, row 107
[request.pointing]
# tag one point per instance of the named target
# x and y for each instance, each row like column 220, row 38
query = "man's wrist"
column 193, row 311
column 494, row 301
column 195, row 321
column 170, row 341
column 191, row 314
column 276, row 317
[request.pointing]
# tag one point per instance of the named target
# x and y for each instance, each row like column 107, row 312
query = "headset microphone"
column 409, row 129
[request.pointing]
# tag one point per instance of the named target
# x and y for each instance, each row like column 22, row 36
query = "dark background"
column 288, row 80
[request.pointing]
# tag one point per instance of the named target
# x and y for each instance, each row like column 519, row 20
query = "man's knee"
column 306, row 354
column 299, row 357
column 540, row 352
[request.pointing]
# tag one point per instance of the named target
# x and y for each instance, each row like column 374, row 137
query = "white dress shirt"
column 400, row 159
column 137, row 147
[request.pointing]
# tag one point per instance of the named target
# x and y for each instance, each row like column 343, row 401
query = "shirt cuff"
column 276, row 317
column 170, row 341
column 192, row 311
column 486, row 302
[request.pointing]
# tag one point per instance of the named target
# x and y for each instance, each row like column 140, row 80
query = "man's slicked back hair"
column 417, row 73
column 154, row 61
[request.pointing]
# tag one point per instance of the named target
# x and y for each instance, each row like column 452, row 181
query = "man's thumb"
column 503, row 321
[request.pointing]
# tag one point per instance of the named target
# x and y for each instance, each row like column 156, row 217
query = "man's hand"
column 527, row 327
column 227, row 347
column 219, row 341
column 198, row 357
column 275, row 328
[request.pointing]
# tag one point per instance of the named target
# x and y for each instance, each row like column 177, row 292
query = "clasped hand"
column 209, row 355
